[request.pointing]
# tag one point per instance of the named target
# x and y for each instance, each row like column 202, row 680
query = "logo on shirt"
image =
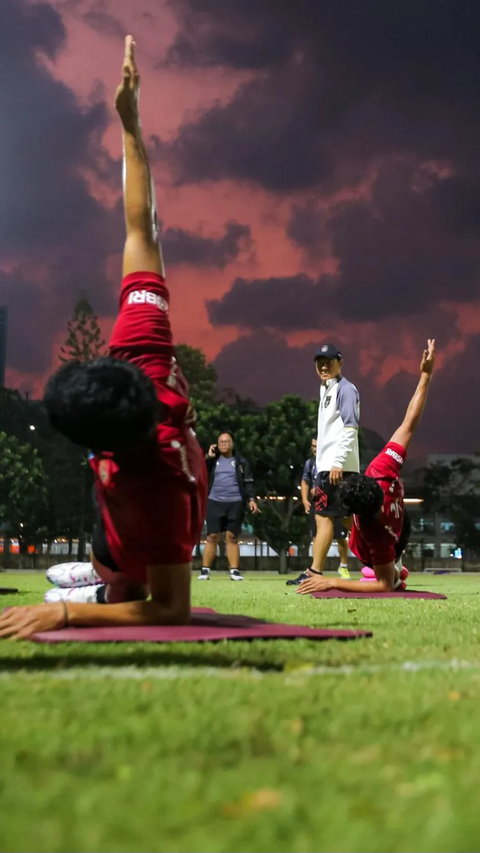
column 326, row 402
column 394, row 455
column 142, row 297
column 233, row 463
column 104, row 471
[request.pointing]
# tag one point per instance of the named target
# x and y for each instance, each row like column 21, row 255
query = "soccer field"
column 370, row 745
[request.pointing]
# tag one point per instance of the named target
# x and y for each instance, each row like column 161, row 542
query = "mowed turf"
column 372, row 745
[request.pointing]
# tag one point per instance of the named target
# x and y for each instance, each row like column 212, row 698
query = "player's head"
column 328, row 362
column 314, row 446
column 225, row 443
column 360, row 495
column 103, row 405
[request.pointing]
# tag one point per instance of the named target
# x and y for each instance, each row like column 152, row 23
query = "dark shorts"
column 99, row 540
column 225, row 515
column 339, row 531
column 326, row 496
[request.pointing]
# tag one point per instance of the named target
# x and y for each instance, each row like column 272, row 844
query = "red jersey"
column 374, row 542
column 152, row 499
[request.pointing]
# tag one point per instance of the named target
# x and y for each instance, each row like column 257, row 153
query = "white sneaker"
column 204, row 575
column 73, row 575
column 79, row 594
column 235, row 575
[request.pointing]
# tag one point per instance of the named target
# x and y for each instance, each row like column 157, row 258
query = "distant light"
column 413, row 500
column 291, row 466
column 21, row 524
column 32, row 427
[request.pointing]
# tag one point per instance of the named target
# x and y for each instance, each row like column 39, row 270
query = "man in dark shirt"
column 230, row 490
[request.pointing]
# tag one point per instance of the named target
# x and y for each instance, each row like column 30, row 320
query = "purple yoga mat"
column 406, row 593
column 204, row 627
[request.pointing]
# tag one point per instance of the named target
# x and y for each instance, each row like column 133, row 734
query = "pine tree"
column 84, row 341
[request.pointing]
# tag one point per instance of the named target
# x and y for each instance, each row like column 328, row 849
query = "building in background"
column 3, row 343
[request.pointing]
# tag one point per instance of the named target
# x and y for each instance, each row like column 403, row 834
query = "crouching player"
column 375, row 499
column 132, row 410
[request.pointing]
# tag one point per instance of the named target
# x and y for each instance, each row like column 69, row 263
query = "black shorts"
column 326, row 496
column 339, row 531
column 225, row 515
column 99, row 540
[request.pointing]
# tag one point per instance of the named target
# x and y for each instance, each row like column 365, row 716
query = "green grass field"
column 372, row 745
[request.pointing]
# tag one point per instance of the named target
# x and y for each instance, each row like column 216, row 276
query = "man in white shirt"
column 337, row 448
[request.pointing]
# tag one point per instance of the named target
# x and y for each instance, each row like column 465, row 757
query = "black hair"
column 104, row 405
column 226, row 432
column 360, row 495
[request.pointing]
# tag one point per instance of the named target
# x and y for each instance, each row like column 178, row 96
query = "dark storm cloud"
column 104, row 23
column 188, row 247
column 415, row 241
column 292, row 302
column 339, row 85
column 263, row 367
column 49, row 220
column 97, row 14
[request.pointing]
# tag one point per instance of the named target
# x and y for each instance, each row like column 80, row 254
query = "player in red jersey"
column 375, row 499
column 131, row 409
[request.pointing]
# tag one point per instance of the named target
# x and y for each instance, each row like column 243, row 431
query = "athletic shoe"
column 204, row 575
column 304, row 576
column 80, row 594
column 344, row 573
column 72, row 575
column 235, row 575
column 401, row 581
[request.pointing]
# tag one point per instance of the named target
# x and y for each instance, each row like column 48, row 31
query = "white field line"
column 174, row 673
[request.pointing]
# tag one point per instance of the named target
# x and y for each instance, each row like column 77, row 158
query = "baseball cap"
column 327, row 351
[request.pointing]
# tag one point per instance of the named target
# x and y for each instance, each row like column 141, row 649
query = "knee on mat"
column 118, row 593
column 179, row 615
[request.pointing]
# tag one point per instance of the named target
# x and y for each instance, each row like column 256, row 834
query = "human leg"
column 235, row 514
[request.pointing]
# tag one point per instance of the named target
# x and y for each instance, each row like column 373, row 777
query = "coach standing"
column 337, row 447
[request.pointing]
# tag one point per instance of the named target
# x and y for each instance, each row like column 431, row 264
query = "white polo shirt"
column 338, row 421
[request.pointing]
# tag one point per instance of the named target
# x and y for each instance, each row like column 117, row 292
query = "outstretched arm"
column 142, row 252
column 404, row 434
column 385, row 582
column 169, row 605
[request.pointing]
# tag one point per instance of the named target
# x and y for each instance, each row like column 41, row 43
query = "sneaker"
column 79, row 594
column 296, row 581
column 344, row 573
column 73, row 575
column 204, row 575
column 235, row 575
column 401, row 578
